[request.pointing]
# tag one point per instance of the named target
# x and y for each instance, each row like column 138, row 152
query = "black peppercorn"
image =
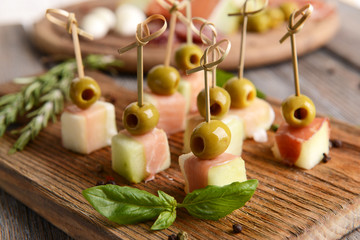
column 237, row 228
column 326, row 158
column 172, row 237
column 98, row 183
column 336, row 143
column 182, row 236
column 111, row 182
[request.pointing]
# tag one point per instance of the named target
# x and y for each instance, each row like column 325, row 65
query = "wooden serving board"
column 290, row 203
column 261, row 49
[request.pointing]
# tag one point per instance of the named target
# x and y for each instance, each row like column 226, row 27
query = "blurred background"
column 26, row 12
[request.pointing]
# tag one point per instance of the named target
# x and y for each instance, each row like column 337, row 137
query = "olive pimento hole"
column 215, row 109
column 250, row 96
column 132, row 120
column 300, row 113
column 198, row 145
column 194, row 59
column 87, row 94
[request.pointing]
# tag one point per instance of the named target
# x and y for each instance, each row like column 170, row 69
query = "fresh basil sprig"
column 126, row 205
column 223, row 76
column 214, row 202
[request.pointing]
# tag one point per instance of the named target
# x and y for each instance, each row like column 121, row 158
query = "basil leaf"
column 214, row 202
column 274, row 127
column 125, row 205
column 260, row 94
column 222, row 77
column 167, row 199
column 165, row 220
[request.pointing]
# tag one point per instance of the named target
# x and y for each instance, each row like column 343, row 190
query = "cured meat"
column 137, row 157
column 172, row 110
column 199, row 8
column 223, row 170
column 84, row 131
column 196, row 81
column 257, row 117
column 304, row 146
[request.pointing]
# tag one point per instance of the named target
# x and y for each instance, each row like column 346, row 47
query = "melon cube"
column 84, row 131
column 235, row 125
column 185, row 90
column 172, row 110
column 223, row 170
column 302, row 147
column 190, row 86
column 258, row 117
column 140, row 157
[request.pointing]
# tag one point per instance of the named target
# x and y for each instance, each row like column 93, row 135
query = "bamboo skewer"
column 169, row 44
column 189, row 39
column 294, row 28
column 210, row 42
column 143, row 36
column 174, row 13
column 72, row 27
column 208, row 66
column 245, row 14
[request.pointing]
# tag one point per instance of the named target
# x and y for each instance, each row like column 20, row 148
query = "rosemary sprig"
column 43, row 97
column 52, row 104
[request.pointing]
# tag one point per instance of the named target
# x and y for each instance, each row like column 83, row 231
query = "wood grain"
column 289, row 203
column 347, row 39
column 261, row 49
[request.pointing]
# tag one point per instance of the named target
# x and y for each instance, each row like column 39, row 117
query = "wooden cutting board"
column 289, row 203
column 261, row 49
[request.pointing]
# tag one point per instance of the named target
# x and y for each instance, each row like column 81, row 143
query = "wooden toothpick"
column 294, row 28
column 143, row 36
column 208, row 66
column 174, row 13
column 209, row 42
column 245, row 14
column 189, row 39
column 72, row 27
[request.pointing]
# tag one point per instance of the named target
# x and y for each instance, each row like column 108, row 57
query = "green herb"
column 222, row 77
column 126, row 205
column 260, row 94
column 105, row 63
column 274, row 127
column 214, row 202
column 43, row 97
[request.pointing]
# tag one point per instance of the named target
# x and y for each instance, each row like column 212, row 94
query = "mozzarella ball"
column 127, row 18
column 106, row 14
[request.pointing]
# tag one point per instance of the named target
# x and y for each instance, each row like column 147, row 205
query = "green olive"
column 242, row 92
column 163, row 80
column 84, row 92
column 258, row 22
column 210, row 139
column 187, row 56
column 140, row 120
column 288, row 8
column 276, row 16
column 219, row 102
column 298, row 111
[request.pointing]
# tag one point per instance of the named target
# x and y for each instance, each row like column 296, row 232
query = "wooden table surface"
column 330, row 76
